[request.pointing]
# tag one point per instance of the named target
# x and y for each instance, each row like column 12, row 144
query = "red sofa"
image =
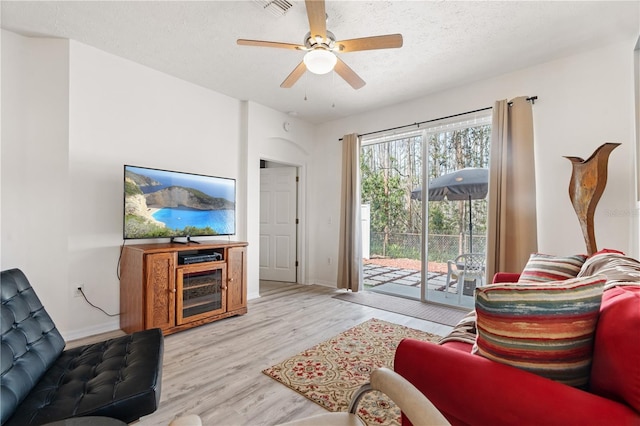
column 472, row 390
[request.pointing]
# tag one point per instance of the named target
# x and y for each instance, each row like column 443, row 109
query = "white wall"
column 35, row 185
column 73, row 116
column 124, row 113
column 584, row 101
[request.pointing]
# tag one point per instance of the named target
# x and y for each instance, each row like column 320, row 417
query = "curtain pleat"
column 350, row 239
column 511, row 227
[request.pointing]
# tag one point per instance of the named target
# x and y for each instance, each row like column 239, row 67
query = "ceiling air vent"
column 276, row 7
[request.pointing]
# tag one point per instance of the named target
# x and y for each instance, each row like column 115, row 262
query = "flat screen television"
column 168, row 204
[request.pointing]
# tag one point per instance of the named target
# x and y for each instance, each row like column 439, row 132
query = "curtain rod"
column 531, row 99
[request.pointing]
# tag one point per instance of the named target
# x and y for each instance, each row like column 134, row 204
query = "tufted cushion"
column 545, row 267
column 546, row 329
column 117, row 378
column 39, row 383
column 30, row 341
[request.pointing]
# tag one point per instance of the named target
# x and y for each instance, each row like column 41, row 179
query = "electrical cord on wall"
column 97, row 307
column 120, row 259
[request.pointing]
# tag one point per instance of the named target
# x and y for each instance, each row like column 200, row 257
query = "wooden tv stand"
column 160, row 287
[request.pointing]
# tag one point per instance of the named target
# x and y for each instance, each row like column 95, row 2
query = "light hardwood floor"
column 215, row 370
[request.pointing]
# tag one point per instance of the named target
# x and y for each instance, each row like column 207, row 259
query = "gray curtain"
column 511, row 227
column 350, row 240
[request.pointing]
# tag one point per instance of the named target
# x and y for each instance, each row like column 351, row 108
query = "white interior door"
column 278, row 224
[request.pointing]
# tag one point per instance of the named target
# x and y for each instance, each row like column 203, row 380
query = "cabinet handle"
column 230, row 279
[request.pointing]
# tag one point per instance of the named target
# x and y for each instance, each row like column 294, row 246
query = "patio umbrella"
column 469, row 183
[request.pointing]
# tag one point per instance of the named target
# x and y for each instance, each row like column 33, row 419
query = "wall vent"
column 275, row 7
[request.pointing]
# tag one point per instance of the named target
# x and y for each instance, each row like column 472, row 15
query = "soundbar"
column 188, row 259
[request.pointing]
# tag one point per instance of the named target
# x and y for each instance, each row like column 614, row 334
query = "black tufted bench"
column 41, row 383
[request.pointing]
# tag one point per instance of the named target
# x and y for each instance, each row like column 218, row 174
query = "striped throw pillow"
column 547, row 329
column 544, row 268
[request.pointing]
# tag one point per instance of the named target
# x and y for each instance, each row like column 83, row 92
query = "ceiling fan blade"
column 389, row 41
column 262, row 43
column 294, row 76
column 349, row 75
column 317, row 18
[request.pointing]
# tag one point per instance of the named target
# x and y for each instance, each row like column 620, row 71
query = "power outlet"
column 77, row 292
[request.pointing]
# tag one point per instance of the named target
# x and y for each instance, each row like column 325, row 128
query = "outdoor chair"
column 466, row 267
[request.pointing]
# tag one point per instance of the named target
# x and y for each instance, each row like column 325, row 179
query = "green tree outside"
column 390, row 170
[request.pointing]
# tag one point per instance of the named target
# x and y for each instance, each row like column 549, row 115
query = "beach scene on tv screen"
column 160, row 203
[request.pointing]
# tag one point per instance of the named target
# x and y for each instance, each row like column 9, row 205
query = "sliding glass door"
column 391, row 168
column 456, row 163
column 415, row 233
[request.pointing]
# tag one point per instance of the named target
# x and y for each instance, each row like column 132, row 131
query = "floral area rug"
column 330, row 372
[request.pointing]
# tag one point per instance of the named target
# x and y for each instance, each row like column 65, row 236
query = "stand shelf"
column 157, row 288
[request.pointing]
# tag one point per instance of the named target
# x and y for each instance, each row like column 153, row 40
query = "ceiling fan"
column 321, row 47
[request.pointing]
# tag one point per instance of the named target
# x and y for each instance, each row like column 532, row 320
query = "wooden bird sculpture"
column 588, row 180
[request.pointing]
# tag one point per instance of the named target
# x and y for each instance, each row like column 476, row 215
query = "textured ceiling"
column 446, row 43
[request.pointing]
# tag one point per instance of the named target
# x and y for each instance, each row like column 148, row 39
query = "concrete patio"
column 403, row 282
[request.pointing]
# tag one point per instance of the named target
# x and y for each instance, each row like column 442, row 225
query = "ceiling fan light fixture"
column 320, row 61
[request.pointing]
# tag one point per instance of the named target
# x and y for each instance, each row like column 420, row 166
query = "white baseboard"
column 111, row 325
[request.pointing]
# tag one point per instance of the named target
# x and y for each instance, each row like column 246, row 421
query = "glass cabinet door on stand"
column 201, row 291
